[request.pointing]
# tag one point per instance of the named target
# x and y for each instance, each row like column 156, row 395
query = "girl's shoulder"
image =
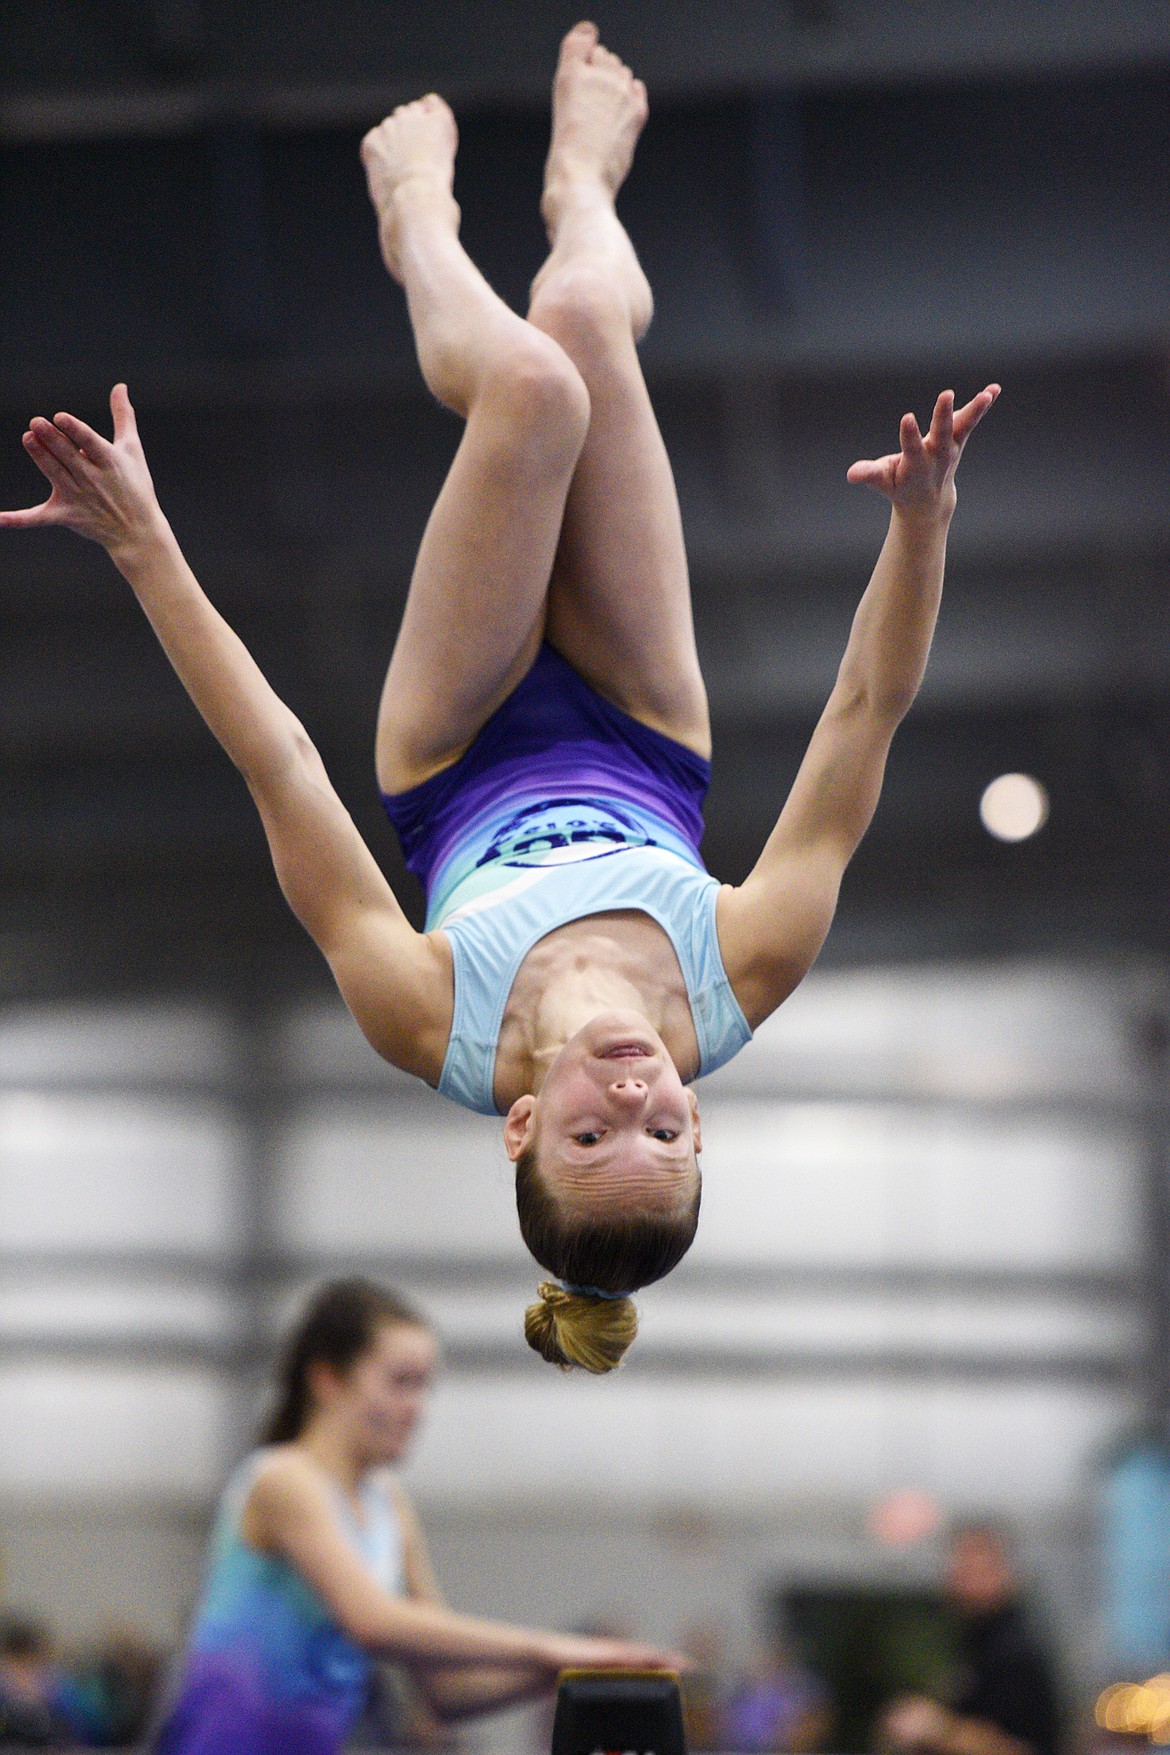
column 275, row 1462
column 278, row 1484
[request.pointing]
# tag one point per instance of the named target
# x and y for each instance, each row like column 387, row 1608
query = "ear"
column 698, row 1132
column 324, row 1380
column 519, row 1126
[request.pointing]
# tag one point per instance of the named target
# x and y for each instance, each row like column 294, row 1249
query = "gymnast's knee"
column 538, row 402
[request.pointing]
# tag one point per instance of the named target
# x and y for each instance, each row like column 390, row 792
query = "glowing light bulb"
column 1014, row 807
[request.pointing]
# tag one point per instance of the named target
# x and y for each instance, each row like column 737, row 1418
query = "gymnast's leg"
column 475, row 612
column 619, row 605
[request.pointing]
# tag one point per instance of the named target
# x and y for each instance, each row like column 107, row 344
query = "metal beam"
column 245, row 1363
column 472, row 1273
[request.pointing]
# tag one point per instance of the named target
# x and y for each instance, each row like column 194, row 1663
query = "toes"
column 430, row 105
column 438, row 106
column 579, row 41
column 583, row 45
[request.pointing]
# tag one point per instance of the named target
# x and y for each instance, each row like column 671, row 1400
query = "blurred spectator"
column 101, row 1701
column 777, row 1706
column 108, row 1696
column 1005, row 1701
column 30, row 1715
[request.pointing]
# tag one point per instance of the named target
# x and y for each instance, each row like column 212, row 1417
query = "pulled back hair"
column 340, row 1322
column 615, row 1255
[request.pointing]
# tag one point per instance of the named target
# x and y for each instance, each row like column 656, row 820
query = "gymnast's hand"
column 920, row 478
column 581, row 1651
column 100, row 490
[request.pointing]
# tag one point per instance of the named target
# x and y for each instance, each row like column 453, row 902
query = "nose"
column 629, row 1091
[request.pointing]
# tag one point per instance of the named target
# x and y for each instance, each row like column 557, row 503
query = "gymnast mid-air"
column 543, row 740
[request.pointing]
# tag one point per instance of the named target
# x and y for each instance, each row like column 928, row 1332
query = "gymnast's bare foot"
column 410, row 166
column 599, row 110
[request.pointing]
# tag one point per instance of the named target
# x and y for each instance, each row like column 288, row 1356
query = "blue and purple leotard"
column 562, row 807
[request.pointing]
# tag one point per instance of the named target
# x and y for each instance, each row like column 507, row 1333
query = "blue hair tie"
column 592, row 1291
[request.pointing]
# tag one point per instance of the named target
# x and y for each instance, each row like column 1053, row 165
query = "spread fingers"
column 59, row 447
column 92, row 446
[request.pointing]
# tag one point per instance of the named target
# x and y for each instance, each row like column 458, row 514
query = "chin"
column 619, row 1029
column 383, row 1453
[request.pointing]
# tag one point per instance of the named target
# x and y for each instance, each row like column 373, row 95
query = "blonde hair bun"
column 574, row 1328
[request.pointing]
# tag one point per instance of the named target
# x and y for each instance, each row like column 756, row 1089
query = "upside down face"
column 613, row 1122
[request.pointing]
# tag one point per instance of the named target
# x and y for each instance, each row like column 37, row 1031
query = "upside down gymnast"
column 543, row 745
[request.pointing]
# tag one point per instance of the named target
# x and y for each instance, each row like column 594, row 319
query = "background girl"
column 319, row 1566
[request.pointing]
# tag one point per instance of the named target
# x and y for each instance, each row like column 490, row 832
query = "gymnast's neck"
column 611, row 962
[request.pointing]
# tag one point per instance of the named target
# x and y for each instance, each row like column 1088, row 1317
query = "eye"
column 663, row 1133
column 586, row 1139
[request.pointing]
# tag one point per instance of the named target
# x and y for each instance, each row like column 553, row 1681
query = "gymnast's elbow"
column 892, row 698
column 866, row 696
column 281, row 762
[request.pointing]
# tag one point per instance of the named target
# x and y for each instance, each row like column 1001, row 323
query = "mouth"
column 628, row 1051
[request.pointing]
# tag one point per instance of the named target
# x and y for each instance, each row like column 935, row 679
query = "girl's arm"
column 394, row 979
column 289, row 1512
column 454, row 1693
column 773, row 925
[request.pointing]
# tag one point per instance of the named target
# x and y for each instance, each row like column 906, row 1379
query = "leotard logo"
column 563, row 831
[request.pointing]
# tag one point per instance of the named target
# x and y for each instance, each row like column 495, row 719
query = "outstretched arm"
column 387, row 971
column 454, row 1692
column 290, row 1512
column 773, row 925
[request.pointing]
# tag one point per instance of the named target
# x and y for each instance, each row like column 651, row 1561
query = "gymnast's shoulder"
column 770, row 929
column 400, row 986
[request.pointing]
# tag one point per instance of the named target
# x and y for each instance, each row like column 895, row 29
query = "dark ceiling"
column 842, row 208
